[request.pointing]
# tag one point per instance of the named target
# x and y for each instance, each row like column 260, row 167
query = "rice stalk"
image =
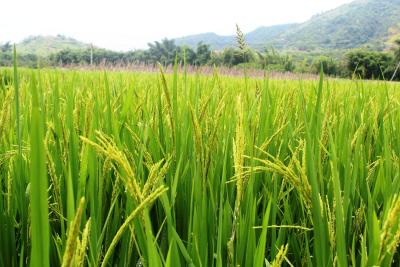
column 238, row 156
column 73, row 235
column 79, row 260
column 108, row 148
column 5, row 111
column 143, row 204
column 280, row 257
column 389, row 238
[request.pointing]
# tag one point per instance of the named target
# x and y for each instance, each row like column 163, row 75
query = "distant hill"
column 216, row 41
column 256, row 38
column 262, row 35
column 45, row 45
column 374, row 23
column 359, row 23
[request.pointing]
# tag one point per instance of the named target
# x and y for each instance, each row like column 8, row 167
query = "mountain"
column 256, row 38
column 373, row 23
column 45, row 45
column 359, row 23
column 262, row 35
column 216, row 41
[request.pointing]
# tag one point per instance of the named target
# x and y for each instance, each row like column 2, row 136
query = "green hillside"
column 256, row 38
column 360, row 23
column 373, row 23
column 45, row 45
column 216, row 41
column 262, row 35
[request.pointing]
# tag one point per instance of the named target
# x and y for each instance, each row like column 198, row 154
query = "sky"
column 126, row 25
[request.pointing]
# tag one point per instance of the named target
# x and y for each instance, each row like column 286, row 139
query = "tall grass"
column 135, row 169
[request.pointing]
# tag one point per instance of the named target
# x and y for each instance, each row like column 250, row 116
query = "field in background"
column 135, row 169
column 196, row 70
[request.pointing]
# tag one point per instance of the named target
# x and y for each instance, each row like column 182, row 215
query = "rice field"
column 151, row 169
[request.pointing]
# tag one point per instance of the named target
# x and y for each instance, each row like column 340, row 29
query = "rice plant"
column 154, row 169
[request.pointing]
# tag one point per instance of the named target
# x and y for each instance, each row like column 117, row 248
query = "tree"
column 7, row 47
column 288, row 64
column 328, row 65
column 397, row 50
column 6, row 54
column 163, row 52
column 273, row 60
column 203, row 54
column 396, row 69
column 190, row 55
column 369, row 64
column 232, row 57
column 137, row 56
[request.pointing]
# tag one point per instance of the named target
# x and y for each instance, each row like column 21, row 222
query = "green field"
column 135, row 169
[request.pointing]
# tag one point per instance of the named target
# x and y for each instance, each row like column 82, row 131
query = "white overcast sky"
column 124, row 24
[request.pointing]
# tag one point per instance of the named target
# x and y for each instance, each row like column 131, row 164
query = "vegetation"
column 346, row 27
column 365, row 25
column 371, row 65
column 329, row 65
column 6, row 57
column 140, row 169
column 361, row 23
column 256, row 39
column 75, row 57
column 397, row 50
column 130, row 169
column 45, row 45
column 361, row 63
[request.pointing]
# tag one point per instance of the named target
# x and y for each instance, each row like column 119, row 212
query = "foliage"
column 70, row 56
column 271, row 59
column 191, row 170
column 363, row 63
column 163, row 52
column 203, row 54
column 231, row 57
column 6, row 57
column 370, row 64
column 397, row 50
column 328, row 65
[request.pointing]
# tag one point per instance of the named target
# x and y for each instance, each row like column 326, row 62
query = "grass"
column 139, row 169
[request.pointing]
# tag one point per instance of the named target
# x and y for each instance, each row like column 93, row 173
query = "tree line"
column 360, row 63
